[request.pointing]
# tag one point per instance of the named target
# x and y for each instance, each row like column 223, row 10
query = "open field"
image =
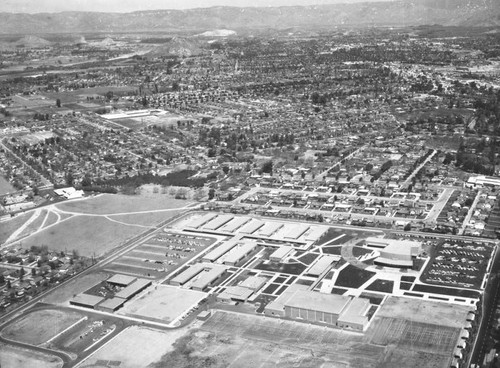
column 425, row 311
column 77, row 285
column 272, row 342
column 121, row 204
column 12, row 224
column 133, row 348
column 88, row 235
column 40, row 326
column 164, row 303
column 145, row 219
column 14, row 357
column 5, row 186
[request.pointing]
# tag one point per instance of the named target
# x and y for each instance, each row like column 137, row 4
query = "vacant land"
column 11, row 356
column 75, row 286
column 86, row 234
column 121, row 204
column 5, row 186
column 164, row 303
column 134, row 348
column 425, row 311
column 8, row 227
column 145, row 219
column 40, row 326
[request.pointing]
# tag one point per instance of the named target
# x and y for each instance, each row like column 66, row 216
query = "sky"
column 122, row 6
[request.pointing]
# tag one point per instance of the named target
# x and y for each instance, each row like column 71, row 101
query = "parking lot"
column 161, row 254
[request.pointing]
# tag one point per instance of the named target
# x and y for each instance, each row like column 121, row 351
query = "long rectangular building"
column 251, row 227
column 234, row 224
column 269, row 229
column 187, row 274
column 314, row 233
column 321, row 265
column 219, row 251
column 239, row 252
column 133, row 289
column 201, row 220
column 217, row 222
column 295, row 231
column 207, row 277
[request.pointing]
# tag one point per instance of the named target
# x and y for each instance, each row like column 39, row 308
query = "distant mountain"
column 383, row 13
column 32, row 41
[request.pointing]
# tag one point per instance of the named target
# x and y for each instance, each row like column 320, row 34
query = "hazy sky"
column 38, row 6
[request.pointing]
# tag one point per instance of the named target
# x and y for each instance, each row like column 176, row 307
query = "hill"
column 383, row 13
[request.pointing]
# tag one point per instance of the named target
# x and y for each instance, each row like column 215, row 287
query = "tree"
column 22, row 271
column 211, row 193
column 225, row 169
column 267, row 167
column 58, row 102
column 407, row 227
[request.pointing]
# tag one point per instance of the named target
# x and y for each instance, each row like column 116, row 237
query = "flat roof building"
column 269, row 229
column 111, row 305
column 121, row 280
column 86, row 300
column 235, row 293
column 217, row 222
column 295, row 231
column 234, row 224
column 321, row 265
column 201, row 220
column 133, row 289
column 254, row 282
column 354, row 316
column 207, row 277
column 222, row 249
column 187, row 274
column 314, row 233
column 239, row 252
column 251, row 227
column 279, row 254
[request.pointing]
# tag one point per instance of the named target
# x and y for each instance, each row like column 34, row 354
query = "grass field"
column 164, row 303
column 353, row 277
column 134, row 347
column 88, row 235
column 145, row 219
column 115, row 204
column 5, row 186
column 75, row 286
column 11, row 225
column 14, row 357
column 39, row 326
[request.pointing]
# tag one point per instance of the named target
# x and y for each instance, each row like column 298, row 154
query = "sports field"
column 40, row 326
column 14, row 357
column 133, row 348
column 164, row 303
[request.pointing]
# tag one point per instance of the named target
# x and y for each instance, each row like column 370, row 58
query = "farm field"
column 11, row 356
column 164, row 303
column 86, row 234
column 121, row 204
column 40, row 326
column 133, row 348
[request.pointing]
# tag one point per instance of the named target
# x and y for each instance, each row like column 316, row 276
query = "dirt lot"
column 164, row 303
column 12, row 224
column 19, row 358
column 133, row 348
column 425, row 311
column 39, row 326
